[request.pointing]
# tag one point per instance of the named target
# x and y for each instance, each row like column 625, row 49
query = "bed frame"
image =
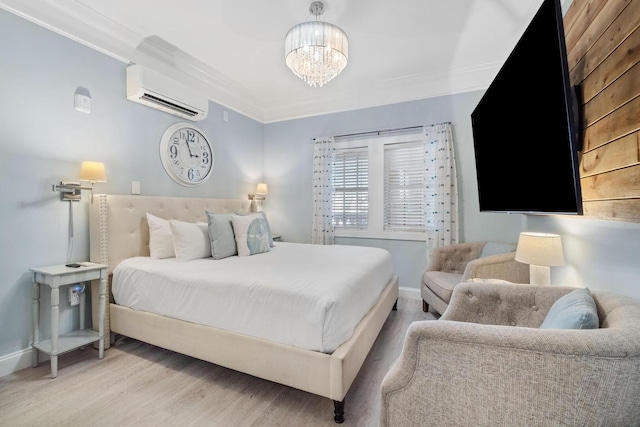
column 119, row 230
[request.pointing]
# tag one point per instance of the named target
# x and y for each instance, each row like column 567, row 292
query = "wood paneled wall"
column 603, row 46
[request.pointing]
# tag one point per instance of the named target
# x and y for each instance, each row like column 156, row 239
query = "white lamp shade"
column 93, row 171
column 540, row 249
column 262, row 189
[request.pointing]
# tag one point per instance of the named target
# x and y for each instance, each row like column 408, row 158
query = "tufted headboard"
column 118, row 225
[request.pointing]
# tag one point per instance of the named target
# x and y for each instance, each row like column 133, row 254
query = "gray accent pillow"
column 497, row 248
column 264, row 216
column 223, row 241
column 575, row 310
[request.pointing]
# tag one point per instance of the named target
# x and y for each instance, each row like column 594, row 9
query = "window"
column 404, row 187
column 350, row 182
column 378, row 187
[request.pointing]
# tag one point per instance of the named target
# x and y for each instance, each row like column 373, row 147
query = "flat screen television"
column 525, row 126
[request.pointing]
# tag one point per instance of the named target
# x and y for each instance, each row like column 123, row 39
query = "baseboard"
column 412, row 293
column 17, row 361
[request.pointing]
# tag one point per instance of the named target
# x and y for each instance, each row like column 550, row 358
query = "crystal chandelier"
column 316, row 51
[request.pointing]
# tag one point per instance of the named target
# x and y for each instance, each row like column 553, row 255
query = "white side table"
column 56, row 276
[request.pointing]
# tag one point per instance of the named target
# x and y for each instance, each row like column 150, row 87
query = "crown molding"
column 88, row 27
column 384, row 92
column 84, row 25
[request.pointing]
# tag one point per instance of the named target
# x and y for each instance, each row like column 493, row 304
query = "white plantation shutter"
column 350, row 180
column 405, row 177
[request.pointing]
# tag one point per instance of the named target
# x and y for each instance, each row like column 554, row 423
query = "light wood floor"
column 137, row 384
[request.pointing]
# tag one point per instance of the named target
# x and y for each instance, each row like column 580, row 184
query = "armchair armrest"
column 501, row 266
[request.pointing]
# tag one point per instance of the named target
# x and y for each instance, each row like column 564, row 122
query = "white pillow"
column 251, row 234
column 160, row 238
column 190, row 240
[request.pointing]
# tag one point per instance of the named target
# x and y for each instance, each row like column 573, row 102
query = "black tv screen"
column 524, row 128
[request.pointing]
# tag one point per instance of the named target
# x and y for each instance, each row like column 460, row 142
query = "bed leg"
column 395, row 306
column 338, row 410
column 425, row 306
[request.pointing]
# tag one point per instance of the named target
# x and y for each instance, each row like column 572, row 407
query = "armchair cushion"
column 575, row 310
column 441, row 283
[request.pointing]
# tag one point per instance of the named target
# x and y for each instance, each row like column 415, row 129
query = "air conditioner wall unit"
column 156, row 90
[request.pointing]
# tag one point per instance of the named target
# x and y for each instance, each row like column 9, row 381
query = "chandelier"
column 316, row 51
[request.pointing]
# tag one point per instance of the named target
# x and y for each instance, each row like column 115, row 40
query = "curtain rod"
column 376, row 132
column 380, row 131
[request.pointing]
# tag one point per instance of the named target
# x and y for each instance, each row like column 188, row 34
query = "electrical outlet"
column 74, row 295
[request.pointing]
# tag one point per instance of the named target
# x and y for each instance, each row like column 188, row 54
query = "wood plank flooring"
column 137, row 384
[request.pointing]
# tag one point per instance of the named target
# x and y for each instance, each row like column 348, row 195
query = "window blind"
column 350, row 181
column 405, row 175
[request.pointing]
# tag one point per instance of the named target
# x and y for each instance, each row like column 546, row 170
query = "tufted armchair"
column 462, row 262
column 486, row 363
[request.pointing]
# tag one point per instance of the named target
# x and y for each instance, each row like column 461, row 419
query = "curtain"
column 442, row 205
column 322, row 228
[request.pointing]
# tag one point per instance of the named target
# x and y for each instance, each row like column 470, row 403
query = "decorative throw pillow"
column 223, row 241
column 251, row 234
column 264, row 216
column 575, row 310
column 160, row 238
column 190, row 240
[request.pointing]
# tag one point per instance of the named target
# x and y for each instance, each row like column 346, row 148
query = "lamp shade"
column 93, row 171
column 262, row 189
column 540, row 249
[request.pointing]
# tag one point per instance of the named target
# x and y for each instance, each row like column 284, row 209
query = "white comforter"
column 308, row 296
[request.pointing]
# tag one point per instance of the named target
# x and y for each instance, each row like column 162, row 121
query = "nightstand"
column 276, row 237
column 57, row 276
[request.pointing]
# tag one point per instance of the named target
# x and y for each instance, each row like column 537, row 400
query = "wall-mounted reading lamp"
column 89, row 171
column 260, row 195
column 261, row 192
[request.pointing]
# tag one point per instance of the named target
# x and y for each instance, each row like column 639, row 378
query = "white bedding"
column 308, row 296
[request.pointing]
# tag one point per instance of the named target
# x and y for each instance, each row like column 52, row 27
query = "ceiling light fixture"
column 316, row 51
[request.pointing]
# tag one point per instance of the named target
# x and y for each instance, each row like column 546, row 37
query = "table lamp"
column 540, row 251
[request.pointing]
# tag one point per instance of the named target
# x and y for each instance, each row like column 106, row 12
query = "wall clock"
column 186, row 154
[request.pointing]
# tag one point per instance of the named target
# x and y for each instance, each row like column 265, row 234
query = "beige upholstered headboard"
column 118, row 225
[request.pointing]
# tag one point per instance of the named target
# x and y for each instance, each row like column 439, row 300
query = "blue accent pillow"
column 575, row 310
column 251, row 234
column 223, row 241
column 264, row 216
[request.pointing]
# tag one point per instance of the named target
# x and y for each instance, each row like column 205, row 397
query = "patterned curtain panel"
column 322, row 228
column 442, row 192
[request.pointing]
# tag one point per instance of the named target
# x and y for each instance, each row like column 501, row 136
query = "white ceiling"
column 234, row 50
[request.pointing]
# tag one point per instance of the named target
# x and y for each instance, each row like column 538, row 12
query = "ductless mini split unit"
column 156, row 90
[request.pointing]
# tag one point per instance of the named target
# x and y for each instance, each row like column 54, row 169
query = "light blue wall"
column 288, row 155
column 599, row 254
column 43, row 141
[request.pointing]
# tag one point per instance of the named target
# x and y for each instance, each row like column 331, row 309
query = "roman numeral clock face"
column 186, row 154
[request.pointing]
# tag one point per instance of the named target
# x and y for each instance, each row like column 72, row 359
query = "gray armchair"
column 485, row 362
column 462, row 262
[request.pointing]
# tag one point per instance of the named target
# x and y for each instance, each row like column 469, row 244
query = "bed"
column 320, row 354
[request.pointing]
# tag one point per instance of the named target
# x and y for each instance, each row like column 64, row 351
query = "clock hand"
column 189, row 148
